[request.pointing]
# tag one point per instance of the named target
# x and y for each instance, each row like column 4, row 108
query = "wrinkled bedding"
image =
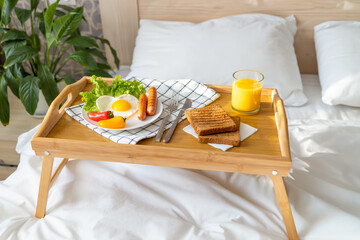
column 103, row 200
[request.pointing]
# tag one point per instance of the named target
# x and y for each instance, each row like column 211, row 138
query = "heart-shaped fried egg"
column 124, row 105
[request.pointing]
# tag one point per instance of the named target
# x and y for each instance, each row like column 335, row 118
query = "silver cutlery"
column 169, row 134
column 171, row 108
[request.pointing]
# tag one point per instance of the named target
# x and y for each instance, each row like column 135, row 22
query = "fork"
column 171, row 107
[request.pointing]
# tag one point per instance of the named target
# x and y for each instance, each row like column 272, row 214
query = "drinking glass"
column 246, row 91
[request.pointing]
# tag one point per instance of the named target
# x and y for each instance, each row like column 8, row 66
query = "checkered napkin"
column 199, row 94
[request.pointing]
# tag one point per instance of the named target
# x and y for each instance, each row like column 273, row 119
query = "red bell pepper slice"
column 95, row 116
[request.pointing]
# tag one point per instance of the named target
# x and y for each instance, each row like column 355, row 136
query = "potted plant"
column 38, row 49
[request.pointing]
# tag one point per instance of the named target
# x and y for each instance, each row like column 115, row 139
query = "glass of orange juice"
column 246, row 91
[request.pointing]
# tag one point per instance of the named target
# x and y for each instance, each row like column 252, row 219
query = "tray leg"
column 58, row 170
column 44, row 186
column 282, row 198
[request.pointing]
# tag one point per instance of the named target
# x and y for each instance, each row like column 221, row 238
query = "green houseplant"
column 39, row 47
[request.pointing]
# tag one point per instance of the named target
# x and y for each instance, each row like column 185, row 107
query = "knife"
column 169, row 134
column 162, row 128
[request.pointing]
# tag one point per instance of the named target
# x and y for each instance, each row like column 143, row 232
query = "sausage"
column 142, row 107
column 152, row 100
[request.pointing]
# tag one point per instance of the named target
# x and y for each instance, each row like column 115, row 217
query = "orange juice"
column 246, row 94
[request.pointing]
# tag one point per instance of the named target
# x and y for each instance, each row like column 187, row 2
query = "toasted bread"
column 228, row 138
column 210, row 120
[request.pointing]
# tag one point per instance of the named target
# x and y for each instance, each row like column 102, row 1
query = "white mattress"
column 101, row 200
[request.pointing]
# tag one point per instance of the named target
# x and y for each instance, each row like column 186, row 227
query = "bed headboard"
column 120, row 19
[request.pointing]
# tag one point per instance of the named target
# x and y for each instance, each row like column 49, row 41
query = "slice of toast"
column 228, row 138
column 210, row 120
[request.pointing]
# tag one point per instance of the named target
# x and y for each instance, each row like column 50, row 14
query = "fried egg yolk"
column 121, row 105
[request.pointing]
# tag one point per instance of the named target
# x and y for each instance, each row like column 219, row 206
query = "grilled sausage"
column 152, row 100
column 142, row 107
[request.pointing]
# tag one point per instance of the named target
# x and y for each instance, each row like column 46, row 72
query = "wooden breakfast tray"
column 266, row 152
column 61, row 136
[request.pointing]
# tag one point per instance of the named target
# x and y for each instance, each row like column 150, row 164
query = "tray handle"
column 66, row 97
column 281, row 124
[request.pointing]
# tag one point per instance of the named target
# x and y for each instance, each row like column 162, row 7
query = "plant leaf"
column 19, row 55
column 42, row 27
column 22, row 14
column 84, row 58
column 69, row 23
column 97, row 53
column 69, row 9
column 9, row 46
column 49, row 16
column 40, row 15
column 66, row 7
column 35, row 41
column 68, row 80
column 113, row 51
column 4, row 102
column 51, row 40
column 14, row 34
column 29, row 93
column 17, row 71
column 59, row 13
column 103, row 66
column 60, row 24
column 47, row 84
column 34, row 4
column 11, row 82
column 82, row 41
column 97, row 72
column 6, row 7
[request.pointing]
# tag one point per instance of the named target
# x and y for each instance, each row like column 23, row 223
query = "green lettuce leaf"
column 118, row 87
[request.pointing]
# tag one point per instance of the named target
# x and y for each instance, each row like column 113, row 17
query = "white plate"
column 132, row 122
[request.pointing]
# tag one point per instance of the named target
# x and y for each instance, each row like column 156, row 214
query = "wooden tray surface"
column 64, row 137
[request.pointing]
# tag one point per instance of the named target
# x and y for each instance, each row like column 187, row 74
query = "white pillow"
column 209, row 52
column 337, row 46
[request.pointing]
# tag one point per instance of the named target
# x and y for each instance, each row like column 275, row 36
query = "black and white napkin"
column 199, row 94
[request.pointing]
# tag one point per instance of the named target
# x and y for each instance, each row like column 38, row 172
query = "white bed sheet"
column 101, row 200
